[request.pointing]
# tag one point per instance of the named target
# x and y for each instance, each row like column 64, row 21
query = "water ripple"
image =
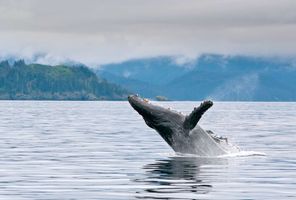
column 104, row 150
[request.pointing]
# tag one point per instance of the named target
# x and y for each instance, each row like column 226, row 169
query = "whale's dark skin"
column 181, row 132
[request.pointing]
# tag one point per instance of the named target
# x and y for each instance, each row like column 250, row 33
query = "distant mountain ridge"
column 218, row 77
column 21, row 81
column 143, row 76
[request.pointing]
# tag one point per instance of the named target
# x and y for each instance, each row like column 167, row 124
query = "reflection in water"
column 177, row 175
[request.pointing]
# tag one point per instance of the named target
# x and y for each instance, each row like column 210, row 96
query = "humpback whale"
column 182, row 132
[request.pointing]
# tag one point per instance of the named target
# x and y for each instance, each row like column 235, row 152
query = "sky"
column 104, row 31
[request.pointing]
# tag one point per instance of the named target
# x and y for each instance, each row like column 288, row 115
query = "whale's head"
column 167, row 122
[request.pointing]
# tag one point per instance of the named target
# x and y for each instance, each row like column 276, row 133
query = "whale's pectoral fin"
column 192, row 119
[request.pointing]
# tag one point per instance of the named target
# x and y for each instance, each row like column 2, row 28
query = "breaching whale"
column 180, row 131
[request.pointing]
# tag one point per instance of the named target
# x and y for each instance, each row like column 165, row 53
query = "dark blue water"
column 104, row 150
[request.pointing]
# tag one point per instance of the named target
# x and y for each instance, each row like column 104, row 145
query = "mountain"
column 218, row 77
column 22, row 81
column 144, row 76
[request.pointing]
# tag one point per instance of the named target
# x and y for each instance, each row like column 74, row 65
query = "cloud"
column 101, row 31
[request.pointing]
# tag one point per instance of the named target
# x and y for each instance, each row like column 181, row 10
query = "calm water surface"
column 104, row 150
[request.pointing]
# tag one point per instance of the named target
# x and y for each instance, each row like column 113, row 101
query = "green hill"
column 43, row 82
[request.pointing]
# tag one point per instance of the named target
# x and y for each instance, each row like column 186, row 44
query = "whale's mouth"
column 142, row 106
column 137, row 102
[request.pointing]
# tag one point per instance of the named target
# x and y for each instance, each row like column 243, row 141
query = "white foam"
column 243, row 154
column 229, row 155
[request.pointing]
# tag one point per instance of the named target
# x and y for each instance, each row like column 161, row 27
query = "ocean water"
column 104, row 150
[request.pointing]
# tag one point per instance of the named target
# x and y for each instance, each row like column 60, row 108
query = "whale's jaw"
column 181, row 132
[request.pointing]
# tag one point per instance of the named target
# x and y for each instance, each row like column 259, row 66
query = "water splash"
column 243, row 154
column 229, row 155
